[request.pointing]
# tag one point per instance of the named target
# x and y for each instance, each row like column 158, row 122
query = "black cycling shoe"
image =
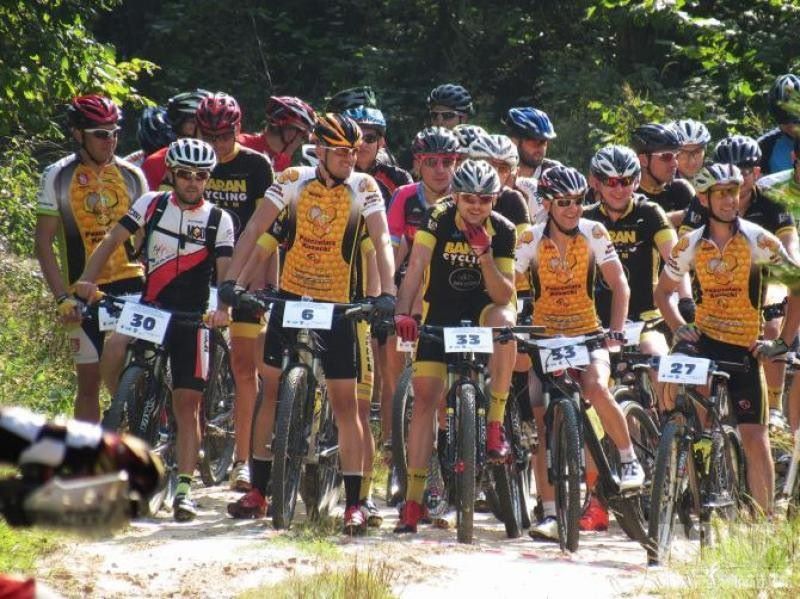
column 184, row 509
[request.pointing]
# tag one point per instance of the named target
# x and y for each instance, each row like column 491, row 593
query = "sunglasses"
column 476, row 198
column 371, row 138
column 567, row 202
column 615, row 182
column 190, row 175
column 434, row 161
column 723, row 192
column 104, row 133
column 665, row 156
column 227, row 136
column 445, row 114
column 342, row 152
column 501, row 167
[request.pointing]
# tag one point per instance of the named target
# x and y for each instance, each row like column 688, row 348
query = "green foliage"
column 19, row 181
column 19, row 548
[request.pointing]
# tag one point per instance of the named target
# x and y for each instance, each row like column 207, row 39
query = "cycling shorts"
column 86, row 340
column 365, row 361
column 339, row 343
column 245, row 324
column 187, row 347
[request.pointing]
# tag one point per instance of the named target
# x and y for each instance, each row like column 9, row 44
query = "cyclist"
column 563, row 255
column 327, row 207
column 463, row 252
column 466, row 133
column 185, row 239
column 237, row 184
column 80, row 198
column 756, row 206
column 776, row 144
column 153, row 132
column 449, row 105
column 694, row 139
column 352, row 97
column 658, row 146
column 643, row 238
column 728, row 254
column 181, row 110
column 289, row 123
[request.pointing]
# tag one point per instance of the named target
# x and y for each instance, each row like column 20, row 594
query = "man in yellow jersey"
column 81, row 198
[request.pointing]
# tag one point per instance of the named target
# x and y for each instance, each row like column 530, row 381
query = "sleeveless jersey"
column 88, row 204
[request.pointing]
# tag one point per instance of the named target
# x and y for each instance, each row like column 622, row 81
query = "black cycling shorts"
column 187, row 346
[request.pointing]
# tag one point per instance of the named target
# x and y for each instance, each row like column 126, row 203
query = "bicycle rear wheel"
column 464, row 467
column 566, row 450
column 666, row 492
column 288, row 446
column 402, row 401
column 218, row 401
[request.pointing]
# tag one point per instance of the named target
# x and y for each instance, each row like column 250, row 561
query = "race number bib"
column 405, row 346
column 143, row 322
column 107, row 321
column 308, row 315
column 683, row 369
column 467, row 339
column 633, row 332
column 563, row 353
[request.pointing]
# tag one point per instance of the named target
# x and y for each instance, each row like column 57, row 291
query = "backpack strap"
column 211, row 229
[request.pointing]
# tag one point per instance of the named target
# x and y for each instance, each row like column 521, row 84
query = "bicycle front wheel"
column 218, row 401
column 288, row 446
column 464, row 467
column 666, row 493
column 506, row 480
column 402, row 401
column 566, row 450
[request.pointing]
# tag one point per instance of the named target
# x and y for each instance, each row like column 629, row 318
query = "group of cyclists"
column 485, row 226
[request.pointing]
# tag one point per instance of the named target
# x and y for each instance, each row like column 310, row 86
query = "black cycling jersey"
column 762, row 211
column 676, row 195
column 389, row 178
column 511, row 204
column 636, row 236
column 238, row 184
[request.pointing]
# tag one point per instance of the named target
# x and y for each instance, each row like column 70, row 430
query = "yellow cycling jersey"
column 563, row 285
column 729, row 279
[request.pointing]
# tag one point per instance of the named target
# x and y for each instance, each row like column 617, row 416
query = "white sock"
column 627, row 455
column 549, row 508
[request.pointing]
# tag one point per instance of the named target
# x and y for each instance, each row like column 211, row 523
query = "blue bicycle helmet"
column 371, row 117
column 529, row 122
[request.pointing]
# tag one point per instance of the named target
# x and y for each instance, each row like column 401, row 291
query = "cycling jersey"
column 179, row 261
column 776, row 151
column 527, row 186
column 675, row 196
column 154, row 168
column 88, row 204
column 762, row 211
column 258, row 142
column 511, row 204
column 636, row 236
column 729, row 280
column 136, row 158
column 407, row 212
column 563, row 286
column 389, row 179
column 324, row 227
column 238, row 184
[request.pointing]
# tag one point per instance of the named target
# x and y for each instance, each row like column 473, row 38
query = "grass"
column 752, row 559
column 374, row 581
column 314, row 537
column 20, row 548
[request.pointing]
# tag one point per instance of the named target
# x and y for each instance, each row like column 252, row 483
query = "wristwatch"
column 616, row 335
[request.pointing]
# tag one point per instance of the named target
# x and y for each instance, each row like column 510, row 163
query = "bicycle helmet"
column 529, row 122
column 435, row 140
column 183, row 107
column 218, row 112
column 692, row 132
column 451, row 95
column 370, row 117
column 494, row 147
column 288, row 111
column 337, row 130
column 740, row 150
column 716, row 174
column 654, row 137
column 93, row 110
column 785, row 89
column 352, row 97
column 476, row 176
column 467, row 133
column 615, row 161
column 154, row 131
column 560, row 181
column 189, row 152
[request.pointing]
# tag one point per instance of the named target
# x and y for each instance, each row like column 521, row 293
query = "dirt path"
column 216, row 556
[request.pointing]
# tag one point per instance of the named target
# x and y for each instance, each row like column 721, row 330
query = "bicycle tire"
column 287, row 446
column 464, row 475
column 115, row 417
column 566, row 451
column 740, row 465
column 402, row 400
column 506, row 482
column 665, row 494
column 722, row 484
column 324, row 478
column 218, row 403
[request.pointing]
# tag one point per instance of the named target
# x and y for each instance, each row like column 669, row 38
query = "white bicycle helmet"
column 192, row 153
column 476, row 176
column 615, row 161
column 717, row 174
column 494, row 147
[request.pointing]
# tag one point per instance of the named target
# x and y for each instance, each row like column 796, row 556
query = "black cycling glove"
column 230, row 293
column 383, row 308
column 687, row 308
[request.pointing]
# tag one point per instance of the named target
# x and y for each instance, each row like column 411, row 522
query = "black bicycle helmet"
column 182, row 107
column 451, row 95
column 654, row 137
column 435, row 140
column 740, row 150
column 352, row 97
column 154, row 131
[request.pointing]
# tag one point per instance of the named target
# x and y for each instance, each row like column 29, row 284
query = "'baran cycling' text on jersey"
column 730, row 279
column 179, row 263
column 563, row 286
column 325, row 226
column 88, row 204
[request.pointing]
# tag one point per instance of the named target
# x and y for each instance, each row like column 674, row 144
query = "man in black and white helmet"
column 694, row 139
column 449, row 105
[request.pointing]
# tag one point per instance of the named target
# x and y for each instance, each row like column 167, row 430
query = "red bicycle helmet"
column 288, row 111
column 85, row 112
column 218, row 112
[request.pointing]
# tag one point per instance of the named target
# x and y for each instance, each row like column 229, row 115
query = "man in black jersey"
column 237, row 184
column 657, row 147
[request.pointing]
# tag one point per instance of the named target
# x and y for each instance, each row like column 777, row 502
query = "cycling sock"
column 627, row 455
column 497, row 406
column 549, row 508
column 775, row 396
column 591, row 479
column 416, row 484
column 366, row 486
column 260, row 471
column 352, row 486
column 184, row 484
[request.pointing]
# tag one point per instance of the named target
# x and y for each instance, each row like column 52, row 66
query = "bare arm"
column 664, row 249
column 373, row 276
column 46, row 231
column 661, row 296
column 379, row 234
column 620, row 293
column 262, row 219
